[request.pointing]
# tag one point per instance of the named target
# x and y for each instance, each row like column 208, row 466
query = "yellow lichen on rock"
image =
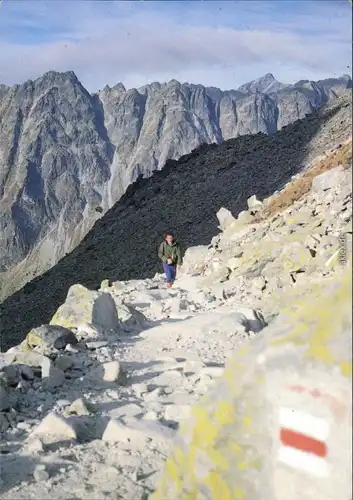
column 84, row 306
column 226, row 449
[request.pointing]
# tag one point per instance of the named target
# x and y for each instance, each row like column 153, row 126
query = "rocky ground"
column 91, row 404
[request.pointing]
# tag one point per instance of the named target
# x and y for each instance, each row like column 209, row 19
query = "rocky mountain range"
column 247, row 356
column 67, row 156
column 184, row 197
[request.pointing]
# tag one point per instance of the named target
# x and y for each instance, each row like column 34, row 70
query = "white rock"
column 254, row 204
column 116, row 432
column 96, row 344
column 244, row 217
column 79, row 407
column 225, row 218
column 140, row 389
column 129, row 316
column 71, row 348
column 24, row 426
column 127, row 410
column 87, row 331
column 63, row 402
column 153, row 395
column 151, row 415
column 55, row 426
column 177, row 412
column 330, row 179
column 108, row 372
column 212, row 371
column 136, row 431
column 35, row 445
column 234, row 262
column 194, row 259
column 40, row 474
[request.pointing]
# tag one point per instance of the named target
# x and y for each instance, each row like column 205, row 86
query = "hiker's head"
column 169, row 237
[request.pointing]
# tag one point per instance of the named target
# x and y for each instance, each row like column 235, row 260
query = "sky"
column 215, row 43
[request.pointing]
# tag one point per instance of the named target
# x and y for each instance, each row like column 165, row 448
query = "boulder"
column 86, row 331
column 254, row 205
column 195, row 259
column 214, row 241
column 295, row 257
column 234, row 263
column 137, row 432
column 330, row 179
column 79, row 407
column 108, row 372
column 47, row 337
column 302, row 365
column 177, row 413
column 86, row 306
column 35, row 446
column 233, row 235
column 225, row 218
column 245, row 217
column 56, row 426
column 217, row 274
column 130, row 317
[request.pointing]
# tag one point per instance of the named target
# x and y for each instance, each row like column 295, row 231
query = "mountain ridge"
column 66, row 156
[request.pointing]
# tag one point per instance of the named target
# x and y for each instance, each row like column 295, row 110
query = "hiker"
column 170, row 254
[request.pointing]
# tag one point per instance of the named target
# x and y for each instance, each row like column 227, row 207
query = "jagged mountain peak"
column 65, row 152
column 265, row 84
column 346, row 78
column 57, row 77
column 188, row 192
column 267, row 78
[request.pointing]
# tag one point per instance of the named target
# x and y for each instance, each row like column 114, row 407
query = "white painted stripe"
column 304, row 461
column 301, row 422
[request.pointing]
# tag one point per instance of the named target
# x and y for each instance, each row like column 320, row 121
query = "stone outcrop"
column 67, row 156
column 84, row 306
column 233, row 444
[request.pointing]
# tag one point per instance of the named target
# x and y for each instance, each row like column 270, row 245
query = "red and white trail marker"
column 303, row 441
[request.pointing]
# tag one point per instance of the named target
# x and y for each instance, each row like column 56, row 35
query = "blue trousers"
column 170, row 272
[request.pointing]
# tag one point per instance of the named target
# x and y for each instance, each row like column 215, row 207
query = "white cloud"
column 107, row 45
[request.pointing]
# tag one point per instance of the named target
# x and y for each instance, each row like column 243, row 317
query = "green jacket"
column 173, row 252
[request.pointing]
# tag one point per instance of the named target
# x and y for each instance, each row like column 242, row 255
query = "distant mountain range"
column 67, row 156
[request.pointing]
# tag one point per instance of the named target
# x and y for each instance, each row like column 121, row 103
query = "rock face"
column 235, row 440
column 187, row 194
column 67, row 156
column 84, row 306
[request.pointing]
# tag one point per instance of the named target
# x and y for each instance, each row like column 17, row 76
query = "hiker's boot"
column 169, row 285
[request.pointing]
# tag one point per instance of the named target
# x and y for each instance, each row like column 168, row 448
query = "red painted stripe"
column 303, row 443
